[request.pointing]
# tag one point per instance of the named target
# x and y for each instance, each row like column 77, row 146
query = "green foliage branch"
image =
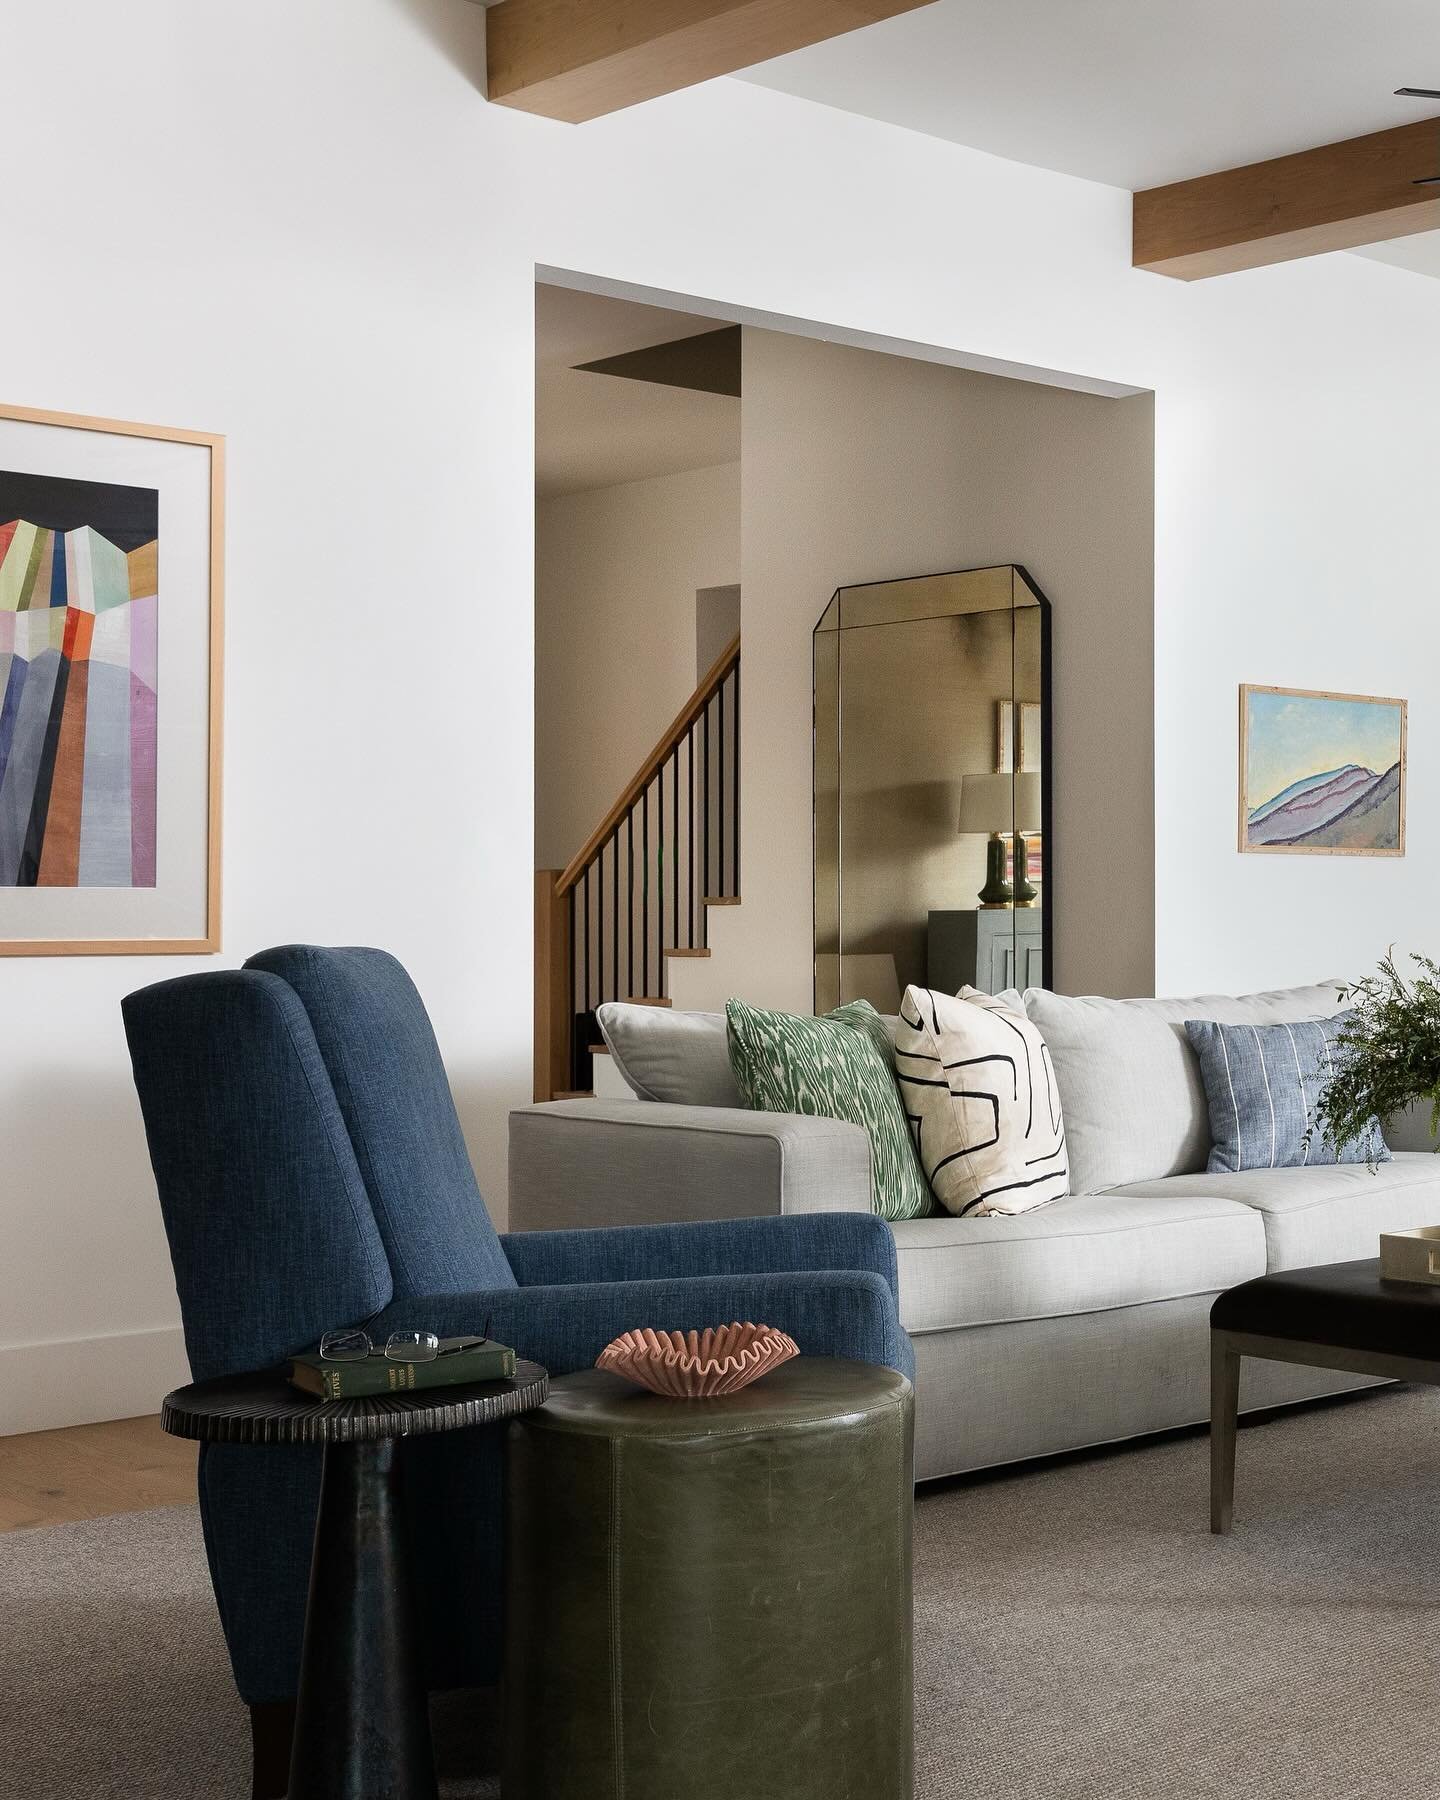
column 1389, row 1052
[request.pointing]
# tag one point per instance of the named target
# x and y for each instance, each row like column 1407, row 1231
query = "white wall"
column 617, row 571
column 298, row 223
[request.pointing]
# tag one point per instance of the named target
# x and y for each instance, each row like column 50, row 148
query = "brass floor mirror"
column 934, row 854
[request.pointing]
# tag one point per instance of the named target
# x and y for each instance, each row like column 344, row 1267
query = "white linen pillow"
column 679, row 1057
column 982, row 1100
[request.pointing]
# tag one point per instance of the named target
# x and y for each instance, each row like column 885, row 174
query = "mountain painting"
column 1321, row 773
column 79, row 581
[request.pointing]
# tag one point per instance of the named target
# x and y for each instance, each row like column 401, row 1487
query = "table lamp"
column 1001, row 806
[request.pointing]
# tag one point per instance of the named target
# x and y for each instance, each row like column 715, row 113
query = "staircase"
column 637, row 895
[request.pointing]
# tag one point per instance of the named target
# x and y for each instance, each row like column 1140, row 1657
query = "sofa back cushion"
column 681, row 1058
column 1130, row 1084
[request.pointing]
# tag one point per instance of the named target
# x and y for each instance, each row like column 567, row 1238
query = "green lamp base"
column 996, row 891
column 1026, row 893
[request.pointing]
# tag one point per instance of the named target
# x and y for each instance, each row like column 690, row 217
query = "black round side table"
column 362, row 1730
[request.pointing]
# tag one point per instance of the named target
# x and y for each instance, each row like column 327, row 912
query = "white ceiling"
column 596, row 431
column 1136, row 92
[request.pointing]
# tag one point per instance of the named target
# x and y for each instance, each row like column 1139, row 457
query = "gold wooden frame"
column 210, row 943
column 1246, row 690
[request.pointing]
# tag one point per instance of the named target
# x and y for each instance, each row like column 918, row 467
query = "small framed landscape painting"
column 1321, row 774
column 111, row 568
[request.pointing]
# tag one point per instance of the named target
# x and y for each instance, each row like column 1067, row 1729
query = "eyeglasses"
column 400, row 1346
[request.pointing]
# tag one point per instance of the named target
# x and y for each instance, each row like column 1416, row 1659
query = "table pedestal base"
column 362, row 1729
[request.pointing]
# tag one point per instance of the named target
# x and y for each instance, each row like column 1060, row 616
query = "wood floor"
column 90, row 1471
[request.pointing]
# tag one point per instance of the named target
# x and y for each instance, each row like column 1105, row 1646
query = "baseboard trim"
column 83, row 1381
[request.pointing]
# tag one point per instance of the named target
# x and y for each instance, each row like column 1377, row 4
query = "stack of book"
column 471, row 1359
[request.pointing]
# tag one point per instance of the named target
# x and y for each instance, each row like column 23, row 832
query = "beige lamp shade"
column 999, row 803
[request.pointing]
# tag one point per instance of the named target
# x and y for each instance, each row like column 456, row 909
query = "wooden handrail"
column 684, row 719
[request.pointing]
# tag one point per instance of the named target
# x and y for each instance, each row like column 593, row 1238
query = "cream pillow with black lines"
column 978, row 1089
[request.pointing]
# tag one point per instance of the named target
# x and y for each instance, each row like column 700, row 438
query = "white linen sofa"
column 1076, row 1324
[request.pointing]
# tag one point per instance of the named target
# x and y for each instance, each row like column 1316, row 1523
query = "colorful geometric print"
column 78, row 653
column 831, row 1068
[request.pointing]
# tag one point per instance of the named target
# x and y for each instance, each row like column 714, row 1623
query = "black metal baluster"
column 599, row 926
column 645, row 889
column 615, row 908
column 580, row 949
column 690, row 846
column 705, row 822
column 735, row 840
column 630, row 902
column 574, row 994
column 720, row 797
column 674, row 856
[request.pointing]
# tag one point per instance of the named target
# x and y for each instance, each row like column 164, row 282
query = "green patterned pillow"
column 833, row 1068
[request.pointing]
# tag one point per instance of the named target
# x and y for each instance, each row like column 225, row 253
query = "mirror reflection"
column 932, row 849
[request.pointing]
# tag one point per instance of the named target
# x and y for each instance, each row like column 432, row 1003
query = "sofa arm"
column 642, row 1162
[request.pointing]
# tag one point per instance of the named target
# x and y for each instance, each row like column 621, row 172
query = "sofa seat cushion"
column 1317, row 1215
column 1089, row 1253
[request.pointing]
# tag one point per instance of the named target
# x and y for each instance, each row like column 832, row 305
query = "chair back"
column 272, row 1236
column 379, row 1051
column 309, row 1159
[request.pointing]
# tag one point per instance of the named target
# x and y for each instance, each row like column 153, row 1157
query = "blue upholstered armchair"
column 312, row 1174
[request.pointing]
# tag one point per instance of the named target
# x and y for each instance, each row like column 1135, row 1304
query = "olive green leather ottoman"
column 711, row 1597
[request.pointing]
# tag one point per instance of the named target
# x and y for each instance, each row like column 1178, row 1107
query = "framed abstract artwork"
column 1321, row 774
column 111, row 605
column 1004, row 737
column 1006, row 742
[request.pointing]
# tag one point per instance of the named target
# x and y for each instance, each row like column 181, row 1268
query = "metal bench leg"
column 1224, row 1406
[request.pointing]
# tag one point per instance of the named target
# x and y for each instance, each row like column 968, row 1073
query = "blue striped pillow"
column 1262, row 1083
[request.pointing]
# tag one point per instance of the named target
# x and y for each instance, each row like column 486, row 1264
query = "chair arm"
column 642, row 1162
column 848, row 1313
column 811, row 1241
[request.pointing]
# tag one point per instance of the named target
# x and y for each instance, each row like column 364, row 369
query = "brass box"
column 1411, row 1255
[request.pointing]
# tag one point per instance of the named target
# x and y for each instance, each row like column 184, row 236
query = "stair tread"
column 645, row 1000
column 722, row 899
column 687, row 952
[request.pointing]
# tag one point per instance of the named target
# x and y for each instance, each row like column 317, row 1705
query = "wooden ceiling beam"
column 1338, row 197
column 579, row 59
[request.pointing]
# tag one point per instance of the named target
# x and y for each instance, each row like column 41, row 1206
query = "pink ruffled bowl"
column 694, row 1365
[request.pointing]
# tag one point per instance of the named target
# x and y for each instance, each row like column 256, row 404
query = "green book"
column 378, row 1374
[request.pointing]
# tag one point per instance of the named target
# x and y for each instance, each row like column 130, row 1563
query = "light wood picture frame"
column 1322, row 773
column 112, row 622
column 1030, row 737
column 1004, row 737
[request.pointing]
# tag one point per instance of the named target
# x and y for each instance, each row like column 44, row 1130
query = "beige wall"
column 859, row 466
column 616, row 574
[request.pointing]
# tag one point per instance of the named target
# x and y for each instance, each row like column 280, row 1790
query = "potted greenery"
column 1391, row 1045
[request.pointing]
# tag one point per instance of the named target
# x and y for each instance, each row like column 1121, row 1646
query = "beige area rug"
column 1079, row 1634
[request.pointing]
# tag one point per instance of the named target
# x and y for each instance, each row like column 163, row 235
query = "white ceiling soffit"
column 1131, row 92
column 594, row 431
column 1420, row 253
